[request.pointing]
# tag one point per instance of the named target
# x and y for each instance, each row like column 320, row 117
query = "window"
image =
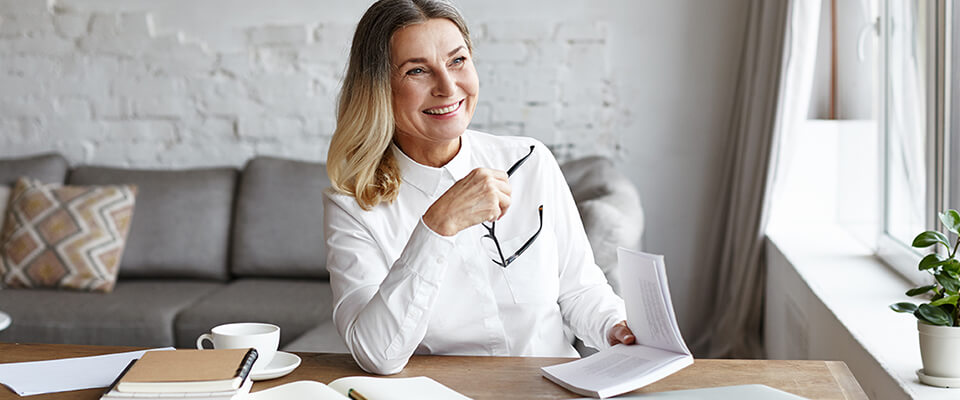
column 915, row 126
column 879, row 151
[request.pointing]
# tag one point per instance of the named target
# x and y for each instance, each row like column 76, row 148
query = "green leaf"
column 949, row 283
column 920, row 290
column 952, row 300
column 951, row 220
column 930, row 238
column 904, row 307
column 930, row 261
column 952, row 266
column 934, row 315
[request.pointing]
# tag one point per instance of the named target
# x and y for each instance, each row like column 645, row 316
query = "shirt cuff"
column 421, row 224
column 427, row 253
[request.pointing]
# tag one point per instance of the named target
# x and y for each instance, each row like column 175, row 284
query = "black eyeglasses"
column 504, row 262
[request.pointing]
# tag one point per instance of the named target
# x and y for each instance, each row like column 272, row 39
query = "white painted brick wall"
column 293, row 35
column 518, row 30
column 103, row 82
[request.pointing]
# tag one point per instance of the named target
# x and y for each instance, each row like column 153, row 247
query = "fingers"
column 503, row 203
column 620, row 333
column 625, row 335
column 482, row 195
column 493, row 193
column 493, row 180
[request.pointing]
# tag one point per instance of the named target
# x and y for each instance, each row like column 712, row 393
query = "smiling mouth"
column 444, row 109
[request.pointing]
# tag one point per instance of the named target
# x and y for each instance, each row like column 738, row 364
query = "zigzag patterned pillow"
column 68, row 237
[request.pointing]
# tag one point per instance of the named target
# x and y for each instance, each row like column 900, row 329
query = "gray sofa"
column 217, row 245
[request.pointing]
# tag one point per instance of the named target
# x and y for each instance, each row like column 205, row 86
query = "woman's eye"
column 459, row 60
column 415, row 71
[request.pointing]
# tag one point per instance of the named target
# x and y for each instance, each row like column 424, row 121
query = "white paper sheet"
column 39, row 377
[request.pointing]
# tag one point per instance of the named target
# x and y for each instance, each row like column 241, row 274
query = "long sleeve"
column 587, row 302
column 381, row 308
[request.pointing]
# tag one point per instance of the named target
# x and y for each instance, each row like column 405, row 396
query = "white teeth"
column 447, row 109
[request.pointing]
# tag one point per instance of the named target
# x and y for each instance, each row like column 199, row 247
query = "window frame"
column 898, row 255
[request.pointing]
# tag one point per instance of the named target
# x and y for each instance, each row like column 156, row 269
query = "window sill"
column 827, row 298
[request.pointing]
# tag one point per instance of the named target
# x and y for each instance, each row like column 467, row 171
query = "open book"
column 360, row 387
column 659, row 351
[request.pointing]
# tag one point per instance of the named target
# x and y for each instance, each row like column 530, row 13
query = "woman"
column 442, row 240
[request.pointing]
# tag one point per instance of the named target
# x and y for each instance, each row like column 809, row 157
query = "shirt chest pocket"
column 532, row 277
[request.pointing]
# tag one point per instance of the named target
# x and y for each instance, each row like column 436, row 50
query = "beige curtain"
column 733, row 278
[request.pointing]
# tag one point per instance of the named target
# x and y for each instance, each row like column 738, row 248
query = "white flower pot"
column 940, row 350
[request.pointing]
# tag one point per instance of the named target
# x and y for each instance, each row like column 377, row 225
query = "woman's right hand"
column 482, row 195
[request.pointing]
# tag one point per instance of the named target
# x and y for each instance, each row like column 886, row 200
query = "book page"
column 299, row 390
column 614, row 366
column 659, row 351
column 419, row 387
column 650, row 315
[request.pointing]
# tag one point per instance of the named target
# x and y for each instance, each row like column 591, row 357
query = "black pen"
column 117, row 381
column 355, row 395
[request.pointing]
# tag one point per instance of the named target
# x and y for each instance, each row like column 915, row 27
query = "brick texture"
column 107, row 85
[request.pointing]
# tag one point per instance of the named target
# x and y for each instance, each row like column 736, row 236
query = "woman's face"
column 434, row 84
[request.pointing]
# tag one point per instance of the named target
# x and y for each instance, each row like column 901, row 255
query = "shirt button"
column 440, row 260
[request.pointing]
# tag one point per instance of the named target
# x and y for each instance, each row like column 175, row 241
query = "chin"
column 449, row 132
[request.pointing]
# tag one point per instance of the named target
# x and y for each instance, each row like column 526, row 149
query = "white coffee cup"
column 261, row 336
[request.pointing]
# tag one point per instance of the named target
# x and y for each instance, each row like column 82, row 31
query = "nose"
column 445, row 85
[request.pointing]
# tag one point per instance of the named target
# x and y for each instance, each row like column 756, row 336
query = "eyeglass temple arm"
column 519, row 162
column 493, row 237
column 528, row 242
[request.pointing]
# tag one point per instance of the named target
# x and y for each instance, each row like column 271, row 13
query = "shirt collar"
column 427, row 179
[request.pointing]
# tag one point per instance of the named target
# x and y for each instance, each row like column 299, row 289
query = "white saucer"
column 938, row 381
column 283, row 363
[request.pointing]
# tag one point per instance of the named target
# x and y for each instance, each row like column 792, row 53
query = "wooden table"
column 506, row 377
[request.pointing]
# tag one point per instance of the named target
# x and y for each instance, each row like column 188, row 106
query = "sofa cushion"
column 48, row 168
column 278, row 227
column 295, row 306
column 182, row 225
column 609, row 206
column 136, row 313
column 322, row 339
column 68, row 237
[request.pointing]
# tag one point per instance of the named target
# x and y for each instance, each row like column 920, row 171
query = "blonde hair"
column 359, row 161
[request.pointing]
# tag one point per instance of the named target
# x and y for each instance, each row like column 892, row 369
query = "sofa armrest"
column 610, row 208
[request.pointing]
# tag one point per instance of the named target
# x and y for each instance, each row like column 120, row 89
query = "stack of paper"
column 186, row 374
column 114, row 394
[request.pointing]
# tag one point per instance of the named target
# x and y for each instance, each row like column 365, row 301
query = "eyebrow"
column 424, row 60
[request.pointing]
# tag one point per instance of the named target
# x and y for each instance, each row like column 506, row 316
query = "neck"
column 433, row 154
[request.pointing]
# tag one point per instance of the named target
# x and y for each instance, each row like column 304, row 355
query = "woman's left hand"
column 619, row 333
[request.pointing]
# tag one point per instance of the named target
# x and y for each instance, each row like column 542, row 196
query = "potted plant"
column 938, row 320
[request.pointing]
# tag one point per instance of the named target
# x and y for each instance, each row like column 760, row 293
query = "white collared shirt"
column 401, row 289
